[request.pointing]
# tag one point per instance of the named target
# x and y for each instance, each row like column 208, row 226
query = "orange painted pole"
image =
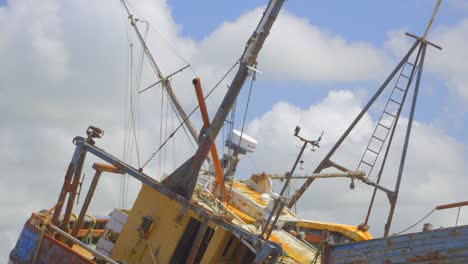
column 452, row 205
column 206, row 123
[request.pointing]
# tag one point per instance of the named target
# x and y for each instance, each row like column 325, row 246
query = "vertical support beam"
column 73, row 189
column 198, row 241
column 66, row 184
column 84, row 208
column 214, row 151
column 394, row 198
column 325, row 160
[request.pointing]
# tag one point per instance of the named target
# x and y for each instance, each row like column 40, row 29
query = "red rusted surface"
column 54, row 251
column 426, row 257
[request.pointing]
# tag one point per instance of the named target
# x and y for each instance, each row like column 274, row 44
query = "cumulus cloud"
column 297, row 50
column 66, row 64
column 450, row 64
column 39, row 35
column 428, row 179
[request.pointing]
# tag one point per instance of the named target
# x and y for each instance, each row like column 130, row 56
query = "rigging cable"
column 458, row 215
column 242, row 129
column 190, row 138
column 161, row 113
column 170, row 46
column 183, row 121
column 418, row 222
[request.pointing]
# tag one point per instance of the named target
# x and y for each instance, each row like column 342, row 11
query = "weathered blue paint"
column 446, row 245
column 25, row 246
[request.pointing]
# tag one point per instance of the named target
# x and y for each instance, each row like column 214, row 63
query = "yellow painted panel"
column 169, row 225
column 217, row 245
column 350, row 231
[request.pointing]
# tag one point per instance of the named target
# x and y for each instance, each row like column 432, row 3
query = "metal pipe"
column 452, row 205
column 436, row 9
column 66, row 184
column 81, row 244
column 351, row 174
column 73, row 190
column 214, row 151
column 279, row 201
column 84, row 208
column 323, row 163
column 406, row 143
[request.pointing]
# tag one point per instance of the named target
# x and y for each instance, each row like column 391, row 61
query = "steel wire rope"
column 165, row 135
column 170, row 46
column 137, row 86
column 124, row 154
column 166, row 42
column 458, row 215
column 418, row 222
column 173, row 142
column 190, row 138
column 183, row 121
column 134, row 108
column 242, row 129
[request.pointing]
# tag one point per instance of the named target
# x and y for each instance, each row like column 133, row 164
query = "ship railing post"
column 66, row 183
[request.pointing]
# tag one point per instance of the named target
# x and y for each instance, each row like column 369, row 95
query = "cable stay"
column 162, row 77
column 181, row 124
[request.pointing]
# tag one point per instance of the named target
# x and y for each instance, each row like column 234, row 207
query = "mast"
column 164, row 80
column 416, row 68
column 183, row 179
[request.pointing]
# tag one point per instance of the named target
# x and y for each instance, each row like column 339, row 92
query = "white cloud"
column 66, row 69
column 296, row 50
column 38, row 34
column 433, row 173
column 450, row 64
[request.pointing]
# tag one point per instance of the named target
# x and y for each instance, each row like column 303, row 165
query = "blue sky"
column 355, row 20
column 368, row 21
column 67, row 66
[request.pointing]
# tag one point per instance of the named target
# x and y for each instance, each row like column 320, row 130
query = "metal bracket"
column 164, row 79
column 423, row 40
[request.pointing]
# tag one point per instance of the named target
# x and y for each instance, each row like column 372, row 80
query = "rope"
column 183, row 122
column 418, row 222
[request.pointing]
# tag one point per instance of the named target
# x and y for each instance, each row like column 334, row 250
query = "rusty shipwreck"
column 197, row 216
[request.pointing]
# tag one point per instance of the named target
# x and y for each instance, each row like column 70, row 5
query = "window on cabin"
column 186, row 242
